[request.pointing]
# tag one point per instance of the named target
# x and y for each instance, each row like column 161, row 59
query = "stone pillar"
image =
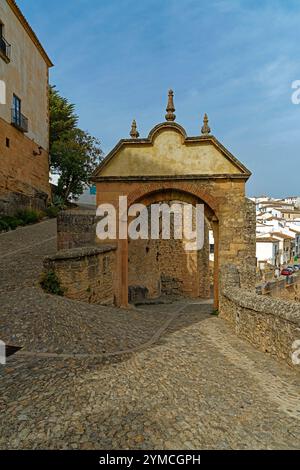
column 215, row 228
column 122, row 274
column 203, row 267
column 247, row 268
column 237, row 236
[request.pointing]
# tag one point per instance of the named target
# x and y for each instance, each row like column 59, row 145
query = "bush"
column 24, row 217
column 15, row 223
column 12, row 222
column 59, row 202
column 215, row 312
column 29, row 216
column 52, row 211
column 50, row 283
column 8, row 222
column 4, row 226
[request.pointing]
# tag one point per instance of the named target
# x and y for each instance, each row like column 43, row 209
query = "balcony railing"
column 19, row 121
column 4, row 49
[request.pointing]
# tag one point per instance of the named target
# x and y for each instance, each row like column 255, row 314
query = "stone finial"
column 170, row 116
column 205, row 128
column 134, row 132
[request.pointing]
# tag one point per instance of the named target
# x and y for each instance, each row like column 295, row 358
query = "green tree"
column 62, row 116
column 74, row 153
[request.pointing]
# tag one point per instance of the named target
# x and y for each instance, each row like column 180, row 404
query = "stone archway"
column 163, row 266
column 168, row 163
column 158, row 193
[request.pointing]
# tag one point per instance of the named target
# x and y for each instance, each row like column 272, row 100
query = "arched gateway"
column 170, row 166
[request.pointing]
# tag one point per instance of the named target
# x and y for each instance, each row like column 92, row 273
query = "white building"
column 267, row 250
column 277, row 230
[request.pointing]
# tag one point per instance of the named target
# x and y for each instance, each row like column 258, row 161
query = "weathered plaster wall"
column 24, row 177
column 169, row 155
column 26, row 75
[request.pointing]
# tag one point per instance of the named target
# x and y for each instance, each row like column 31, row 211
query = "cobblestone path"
column 162, row 376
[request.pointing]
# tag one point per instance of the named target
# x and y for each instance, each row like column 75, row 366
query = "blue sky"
column 234, row 59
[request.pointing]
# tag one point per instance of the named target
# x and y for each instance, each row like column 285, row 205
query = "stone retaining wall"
column 270, row 324
column 86, row 274
column 24, row 176
column 76, row 228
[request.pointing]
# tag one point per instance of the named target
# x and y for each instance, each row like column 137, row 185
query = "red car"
column 286, row 272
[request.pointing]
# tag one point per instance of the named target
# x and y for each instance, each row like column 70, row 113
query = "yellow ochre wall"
column 24, row 175
column 26, row 75
column 169, row 155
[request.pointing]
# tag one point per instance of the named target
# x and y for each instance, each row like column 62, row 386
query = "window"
column 7, row 142
column 2, row 92
column 4, row 46
column 17, row 110
column 17, row 118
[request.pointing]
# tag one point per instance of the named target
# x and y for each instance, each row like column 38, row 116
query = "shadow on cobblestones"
column 193, row 385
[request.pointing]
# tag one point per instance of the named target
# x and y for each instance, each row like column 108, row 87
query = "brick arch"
column 147, row 191
column 174, row 194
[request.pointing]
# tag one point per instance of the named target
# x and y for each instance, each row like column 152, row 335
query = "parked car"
column 291, row 268
column 297, row 267
column 286, row 272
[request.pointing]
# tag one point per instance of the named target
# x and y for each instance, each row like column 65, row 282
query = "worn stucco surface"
column 24, row 162
column 26, row 76
column 169, row 155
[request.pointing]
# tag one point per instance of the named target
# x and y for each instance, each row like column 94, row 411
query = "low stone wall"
column 270, row 324
column 76, row 228
column 86, row 274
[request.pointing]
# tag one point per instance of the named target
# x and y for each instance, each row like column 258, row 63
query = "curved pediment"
column 168, row 152
column 173, row 126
